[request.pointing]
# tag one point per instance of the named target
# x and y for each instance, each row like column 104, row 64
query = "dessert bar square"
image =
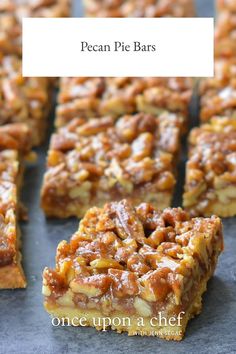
column 11, row 272
column 92, row 97
column 225, row 42
column 14, row 144
column 15, row 147
column 91, row 162
column 210, row 186
column 139, row 8
column 134, row 269
column 218, row 94
column 25, row 100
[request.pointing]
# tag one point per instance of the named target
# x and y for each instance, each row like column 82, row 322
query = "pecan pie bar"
column 218, row 94
column 11, row 272
column 225, row 37
column 136, row 270
column 22, row 99
column 210, row 186
column 14, row 143
column 91, row 162
column 92, row 97
column 15, row 147
column 139, row 8
column 12, row 12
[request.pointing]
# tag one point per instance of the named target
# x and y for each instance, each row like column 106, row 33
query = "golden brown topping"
column 90, row 97
column 23, row 100
column 123, row 283
column 127, row 225
column 113, row 253
column 156, row 285
column 225, row 35
column 225, row 75
column 218, row 94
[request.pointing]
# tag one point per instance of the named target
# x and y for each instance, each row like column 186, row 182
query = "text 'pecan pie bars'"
column 96, row 97
column 92, row 162
column 139, row 8
column 12, row 12
column 210, row 186
column 14, row 144
column 25, row 100
column 137, row 264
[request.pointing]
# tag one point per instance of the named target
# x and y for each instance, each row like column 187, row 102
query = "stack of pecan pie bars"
column 112, row 161
column 24, row 108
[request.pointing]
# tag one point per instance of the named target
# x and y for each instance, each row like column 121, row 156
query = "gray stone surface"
column 26, row 328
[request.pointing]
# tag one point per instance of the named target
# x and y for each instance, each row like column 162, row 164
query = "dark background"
column 26, row 328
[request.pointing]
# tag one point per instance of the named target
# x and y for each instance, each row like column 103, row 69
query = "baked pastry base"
column 12, row 276
column 223, row 210
column 68, row 315
column 223, row 206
